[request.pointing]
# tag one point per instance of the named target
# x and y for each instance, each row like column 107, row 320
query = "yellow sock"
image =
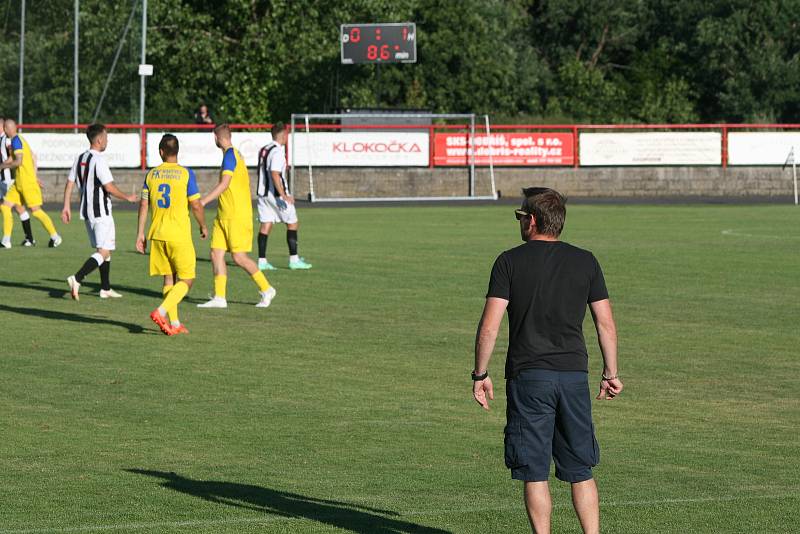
column 173, row 313
column 260, row 280
column 46, row 222
column 220, row 283
column 174, row 297
column 8, row 221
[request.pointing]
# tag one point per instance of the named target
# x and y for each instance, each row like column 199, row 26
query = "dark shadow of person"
column 72, row 317
column 348, row 516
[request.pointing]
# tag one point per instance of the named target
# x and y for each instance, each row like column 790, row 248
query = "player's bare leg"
column 587, row 505
column 539, row 506
column 219, row 299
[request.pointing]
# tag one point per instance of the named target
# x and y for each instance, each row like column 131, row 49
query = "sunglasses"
column 521, row 214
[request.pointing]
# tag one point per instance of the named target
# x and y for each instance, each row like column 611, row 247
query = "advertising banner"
column 360, row 149
column 59, row 150
column 506, row 149
column 197, row 149
column 651, row 148
column 762, row 148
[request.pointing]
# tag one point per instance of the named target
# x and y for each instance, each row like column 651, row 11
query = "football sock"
column 262, row 245
column 94, row 261
column 43, row 218
column 105, row 275
column 174, row 297
column 291, row 240
column 25, row 219
column 220, row 283
column 260, row 280
column 8, row 221
column 173, row 313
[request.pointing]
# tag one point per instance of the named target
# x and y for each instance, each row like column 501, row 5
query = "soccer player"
column 26, row 189
column 275, row 202
column 90, row 171
column 233, row 227
column 169, row 190
column 6, row 181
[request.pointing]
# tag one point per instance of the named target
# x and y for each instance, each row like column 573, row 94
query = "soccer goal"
column 387, row 157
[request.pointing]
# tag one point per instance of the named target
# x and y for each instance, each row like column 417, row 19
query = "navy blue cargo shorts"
column 549, row 415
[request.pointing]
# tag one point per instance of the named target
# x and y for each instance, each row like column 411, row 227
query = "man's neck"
column 225, row 147
column 542, row 237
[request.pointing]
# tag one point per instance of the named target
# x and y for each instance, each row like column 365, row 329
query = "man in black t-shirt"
column 545, row 285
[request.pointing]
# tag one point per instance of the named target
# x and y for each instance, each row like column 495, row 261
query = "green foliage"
column 544, row 60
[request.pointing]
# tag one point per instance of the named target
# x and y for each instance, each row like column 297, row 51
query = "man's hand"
column 289, row 199
column 132, row 198
column 66, row 215
column 481, row 389
column 281, row 203
column 141, row 244
column 203, row 232
column 610, row 388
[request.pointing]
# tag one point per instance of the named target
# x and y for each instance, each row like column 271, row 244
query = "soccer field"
column 346, row 406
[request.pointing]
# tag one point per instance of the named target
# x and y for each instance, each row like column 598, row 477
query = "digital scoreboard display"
column 379, row 43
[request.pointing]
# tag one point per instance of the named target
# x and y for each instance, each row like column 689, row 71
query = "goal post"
column 383, row 157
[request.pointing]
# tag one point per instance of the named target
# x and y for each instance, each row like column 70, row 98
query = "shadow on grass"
column 123, row 289
column 72, row 317
column 347, row 516
column 53, row 292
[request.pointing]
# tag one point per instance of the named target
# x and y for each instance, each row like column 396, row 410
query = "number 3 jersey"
column 169, row 188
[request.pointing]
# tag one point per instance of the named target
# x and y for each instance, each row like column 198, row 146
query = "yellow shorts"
column 232, row 235
column 168, row 258
column 28, row 194
column 12, row 195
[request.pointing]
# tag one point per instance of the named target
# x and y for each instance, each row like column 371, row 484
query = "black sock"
column 262, row 245
column 105, row 275
column 89, row 266
column 291, row 240
column 26, row 227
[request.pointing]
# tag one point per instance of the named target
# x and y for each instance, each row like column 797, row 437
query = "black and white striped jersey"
column 90, row 171
column 6, row 176
column 271, row 157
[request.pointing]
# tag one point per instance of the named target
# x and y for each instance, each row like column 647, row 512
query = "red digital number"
column 355, row 35
column 372, row 52
column 385, row 52
column 405, row 33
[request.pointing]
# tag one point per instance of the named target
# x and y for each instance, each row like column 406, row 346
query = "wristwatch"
column 478, row 378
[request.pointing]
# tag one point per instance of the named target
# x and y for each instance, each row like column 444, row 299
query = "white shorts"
column 102, row 233
column 269, row 212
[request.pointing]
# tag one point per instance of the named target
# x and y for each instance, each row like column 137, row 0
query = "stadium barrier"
column 445, row 145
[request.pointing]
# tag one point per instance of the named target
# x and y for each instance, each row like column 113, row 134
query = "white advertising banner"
column 59, row 150
column 651, row 148
column 361, row 149
column 197, row 149
column 761, row 148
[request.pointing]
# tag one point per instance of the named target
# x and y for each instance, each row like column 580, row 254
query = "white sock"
column 98, row 258
column 175, row 323
column 294, row 258
column 24, row 216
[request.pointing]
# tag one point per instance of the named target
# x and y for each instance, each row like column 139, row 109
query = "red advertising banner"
column 514, row 149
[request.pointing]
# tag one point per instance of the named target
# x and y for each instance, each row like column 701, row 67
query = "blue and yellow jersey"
column 26, row 172
column 235, row 203
column 169, row 188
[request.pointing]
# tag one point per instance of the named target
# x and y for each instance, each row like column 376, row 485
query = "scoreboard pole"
column 378, row 89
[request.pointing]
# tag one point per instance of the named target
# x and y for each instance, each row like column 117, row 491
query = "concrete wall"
column 612, row 182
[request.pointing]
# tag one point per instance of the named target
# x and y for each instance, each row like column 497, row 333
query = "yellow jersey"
column 235, row 203
column 26, row 172
column 169, row 188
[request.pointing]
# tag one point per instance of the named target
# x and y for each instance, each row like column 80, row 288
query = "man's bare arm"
column 485, row 339
column 224, row 182
column 611, row 385
column 140, row 242
column 200, row 216
column 114, row 191
column 66, row 211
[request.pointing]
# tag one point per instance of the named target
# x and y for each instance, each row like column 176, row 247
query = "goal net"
column 351, row 157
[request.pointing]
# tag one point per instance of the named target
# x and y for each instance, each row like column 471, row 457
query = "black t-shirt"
column 548, row 285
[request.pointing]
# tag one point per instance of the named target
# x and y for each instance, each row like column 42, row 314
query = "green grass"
column 346, row 406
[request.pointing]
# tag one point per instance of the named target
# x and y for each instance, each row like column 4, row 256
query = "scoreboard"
column 379, row 43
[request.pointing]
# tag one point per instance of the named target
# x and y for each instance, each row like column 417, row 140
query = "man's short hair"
column 277, row 128
column 548, row 207
column 223, row 130
column 93, row 130
column 169, row 145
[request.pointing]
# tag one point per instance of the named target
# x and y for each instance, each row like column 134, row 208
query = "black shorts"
column 549, row 415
